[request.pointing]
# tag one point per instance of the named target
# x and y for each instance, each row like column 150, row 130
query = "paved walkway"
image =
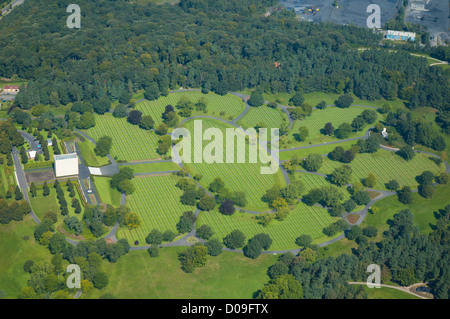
column 404, row 289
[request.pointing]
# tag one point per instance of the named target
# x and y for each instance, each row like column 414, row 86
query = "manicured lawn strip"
column 387, row 293
column 303, row 220
column 230, row 104
column 315, row 98
column 157, row 202
column 325, row 149
column 153, row 167
column 87, row 151
column 271, row 117
column 228, row 275
column 15, row 251
column 424, row 210
column 386, row 166
column 129, row 142
column 244, row 177
column 343, row 246
column 7, row 178
column 311, row 181
column 43, row 204
column 319, row 118
column 108, row 195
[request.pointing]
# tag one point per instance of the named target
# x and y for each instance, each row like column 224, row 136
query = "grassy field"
column 343, row 246
column 315, row 98
column 316, row 122
column 153, row 167
column 244, row 177
column 269, row 116
column 157, row 202
column 15, row 251
column 424, row 210
column 44, row 204
column 228, row 275
column 311, row 181
column 129, row 142
column 325, row 149
column 386, row 166
column 108, row 195
column 7, row 178
column 387, row 293
column 87, row 151
column 230, row 104
column 304, row 220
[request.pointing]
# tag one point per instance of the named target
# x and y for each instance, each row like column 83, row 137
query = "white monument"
column 66, row 165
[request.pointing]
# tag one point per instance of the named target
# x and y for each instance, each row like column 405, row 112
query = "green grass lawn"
column 153, row 167
column 108, row 195
column 15, row 251
column 43, row 204
column 311, row 181
column 319, row 118
column 157, row 202
column 87, row 151
column 244, row 177
column 325, row 149
column 303, row 220
column 269, row 116
column 129, row 142
column 343, row 246
column 315, row 98
column 387, row 293
column 230, row 104
column 7, row 178
column 424, row 210
column 228, row 275
column 386, row 166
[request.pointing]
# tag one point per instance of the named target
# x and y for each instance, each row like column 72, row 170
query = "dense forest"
column 227, row 46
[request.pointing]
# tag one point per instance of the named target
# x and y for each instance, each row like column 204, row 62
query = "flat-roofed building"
column 400, row 35
column 66, row 165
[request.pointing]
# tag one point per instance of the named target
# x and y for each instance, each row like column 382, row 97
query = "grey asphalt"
column 13, row 4
column 22, row 181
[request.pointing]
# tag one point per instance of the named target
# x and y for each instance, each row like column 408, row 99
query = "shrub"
column 236, row 239
column 214, row 247
column 361, row 198
column 393, row 185
column 205, row 232
column 153, row 251
column 370, row 231
column 155, row 237
column 277, row 269
column 303, row 240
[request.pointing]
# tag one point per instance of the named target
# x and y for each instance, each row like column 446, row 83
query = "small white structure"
column 66, row 165
column 384, row 133
column 31, row 154
column 49, row 142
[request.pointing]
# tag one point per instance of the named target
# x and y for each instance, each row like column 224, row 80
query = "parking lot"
column 349, row 11
column 7, row 97
column 434, row 14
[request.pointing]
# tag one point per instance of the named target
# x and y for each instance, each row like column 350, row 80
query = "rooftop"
column 65, row 156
